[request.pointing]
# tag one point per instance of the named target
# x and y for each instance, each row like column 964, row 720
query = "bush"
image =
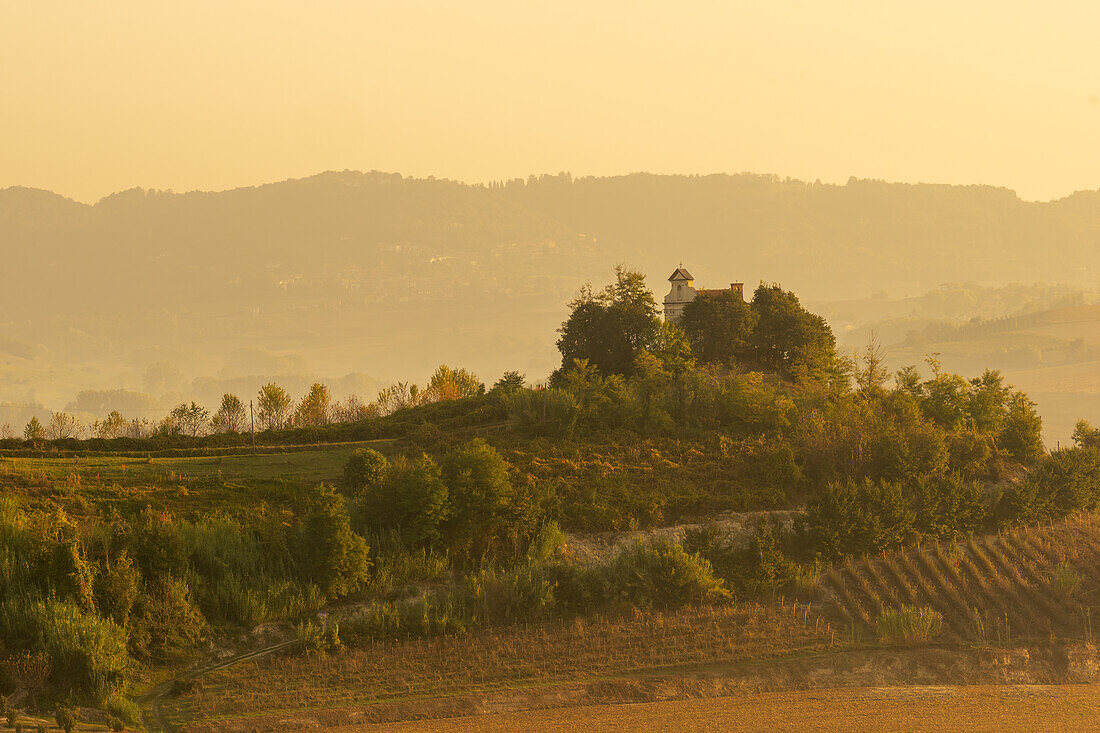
column 909, row 625
column 413, row 499
column 330, row 554
column 662, row 575
column 28, row 670
column 65, row 719
column 166, row 622
column 1060, row 483
column 364, row 470
column 485, row 512
column 87, row 653
column 320, row 638
column 544, row 411
column 1065, row 580
column 124, row 709
column 857, row 518
column 116, row 588
column 751, row 569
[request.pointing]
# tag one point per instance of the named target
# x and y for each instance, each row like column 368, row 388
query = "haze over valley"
column 363, row 279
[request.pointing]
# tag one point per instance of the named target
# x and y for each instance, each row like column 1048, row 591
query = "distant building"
column 683, row 292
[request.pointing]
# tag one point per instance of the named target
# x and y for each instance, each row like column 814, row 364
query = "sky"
column 101, row 97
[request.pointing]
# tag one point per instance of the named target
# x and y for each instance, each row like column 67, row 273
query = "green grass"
column 234, row 483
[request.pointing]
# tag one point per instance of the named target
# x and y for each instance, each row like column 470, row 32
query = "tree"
column 62, row 425
column 33, row 432
column 452, row 384
column 673, row 349
column 413, row 499
column 988, row 402
column 190, row 419
column 314, row 409
column 481, row 499
column 113, row 426
column 854, row 518
column 1085, row 435
column 364, row 471
column 946, row 396
column 1022, row 430
column 610, row 328
column 397, row 397
column 116, row 589
column 870, row 370
column 719, row 327
column 166, row 621
column 353, row 409
column 509, row 383
column 907, row 381
column 273, row 406
column 791, row 340
column 231, row 416
column 330, row 553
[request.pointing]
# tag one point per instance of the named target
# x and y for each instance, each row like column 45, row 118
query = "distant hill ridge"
column 385, row 274
column 822, row 240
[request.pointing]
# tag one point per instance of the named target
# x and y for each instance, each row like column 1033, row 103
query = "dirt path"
column 930, row 709
column 735, row 527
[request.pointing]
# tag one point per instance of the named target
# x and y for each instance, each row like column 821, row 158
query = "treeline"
column 275, row 410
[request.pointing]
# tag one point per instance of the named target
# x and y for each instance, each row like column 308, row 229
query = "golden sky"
column 97, row 97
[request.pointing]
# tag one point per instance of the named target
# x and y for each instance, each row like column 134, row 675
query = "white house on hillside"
column 683, row 292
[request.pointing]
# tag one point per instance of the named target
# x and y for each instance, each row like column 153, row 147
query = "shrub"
column 320, row 638
column 662, row 575
column 116, row 588
column 330, row 554
column 748, row 569
column 413, row 499
column 395, row 565
column 1065, row 580
column 855, row 518
column 519, row 594
column 28, row 670
column 124, row 709
column 949, row 506
column 65, row 719
column 909, row 625
column 166, row 622
column 484, row 509
column 364, row 470
column 70, row 575
column 87, row 653
column 545, row 411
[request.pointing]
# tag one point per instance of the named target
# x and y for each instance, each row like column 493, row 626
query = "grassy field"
column 188, row 484
column 914, row 709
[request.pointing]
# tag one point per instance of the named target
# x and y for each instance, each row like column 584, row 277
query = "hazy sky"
column 97, row 97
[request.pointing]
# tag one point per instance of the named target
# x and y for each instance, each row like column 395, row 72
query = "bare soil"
column 926, row 708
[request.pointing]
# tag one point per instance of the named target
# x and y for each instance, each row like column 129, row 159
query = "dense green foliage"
column 610, row 328
column 466, row 502
column 720, row 328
